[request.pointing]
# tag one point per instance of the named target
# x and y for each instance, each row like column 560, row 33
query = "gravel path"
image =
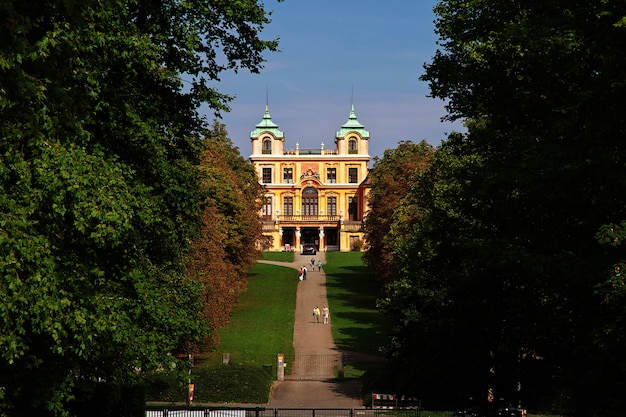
column 311, row 338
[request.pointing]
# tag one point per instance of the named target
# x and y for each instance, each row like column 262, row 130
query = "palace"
column 312, row 196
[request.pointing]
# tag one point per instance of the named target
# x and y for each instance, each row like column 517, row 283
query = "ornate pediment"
column 309, row 173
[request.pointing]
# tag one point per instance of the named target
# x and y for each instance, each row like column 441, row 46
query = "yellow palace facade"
column 312, row 196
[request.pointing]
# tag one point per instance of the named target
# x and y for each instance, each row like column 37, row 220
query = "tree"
column 99, row 184
column 225, row 249
column 390, row 177
column 508, row 245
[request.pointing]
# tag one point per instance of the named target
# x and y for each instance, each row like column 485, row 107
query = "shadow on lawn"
column 353, row 290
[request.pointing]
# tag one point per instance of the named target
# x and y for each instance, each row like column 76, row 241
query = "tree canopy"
column 511, row 285
column 99, row 183
column 225, row 249
column 390, row 177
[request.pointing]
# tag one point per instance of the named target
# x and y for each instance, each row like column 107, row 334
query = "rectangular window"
column 331, row 206
column 331, row 175
column 353, row 175
column 309, row 205
column 353, row 208
column 288, row 206
column 288, row 175
column 267, row 175
column 267, row 208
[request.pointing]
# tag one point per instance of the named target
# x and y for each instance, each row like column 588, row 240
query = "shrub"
column 103, row 399
column 222, row 384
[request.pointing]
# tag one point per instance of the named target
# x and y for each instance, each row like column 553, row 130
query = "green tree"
column 225, row 249
column 508, row 246
column 390, row 178
column 99, row 183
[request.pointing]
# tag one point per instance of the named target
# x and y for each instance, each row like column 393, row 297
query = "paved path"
column 310, row 338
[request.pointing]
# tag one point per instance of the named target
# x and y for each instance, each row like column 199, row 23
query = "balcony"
column 315, row 218
column 312, row 221
column 353, row 226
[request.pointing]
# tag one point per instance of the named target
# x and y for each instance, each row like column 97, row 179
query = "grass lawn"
column 262, row 324
column 278, row 256
column 352, row 292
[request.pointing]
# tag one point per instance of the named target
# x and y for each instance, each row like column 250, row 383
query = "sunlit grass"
column 278, row 256
column 262, row 323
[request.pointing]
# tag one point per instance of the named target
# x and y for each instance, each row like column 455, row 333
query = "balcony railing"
column 303, row 151
column 348, row 225
column 353, row 226
column 308, row 218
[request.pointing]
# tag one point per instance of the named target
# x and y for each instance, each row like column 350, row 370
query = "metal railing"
column 199, row 411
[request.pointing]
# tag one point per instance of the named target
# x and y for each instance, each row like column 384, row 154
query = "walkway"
column 310, row 338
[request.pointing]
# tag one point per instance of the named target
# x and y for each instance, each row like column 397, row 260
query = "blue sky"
column 333, row 52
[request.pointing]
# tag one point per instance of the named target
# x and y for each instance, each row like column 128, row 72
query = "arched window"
column 309, row 201
column 352, row 146
column 267, row 146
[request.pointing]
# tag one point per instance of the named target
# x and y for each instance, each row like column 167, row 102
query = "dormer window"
column 267, row 146
column 352, row 146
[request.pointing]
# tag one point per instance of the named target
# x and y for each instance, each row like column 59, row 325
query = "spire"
column 352, row 125
column 267, row 125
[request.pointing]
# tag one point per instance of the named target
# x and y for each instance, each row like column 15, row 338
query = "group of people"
column 303, row 270
column 325, row 313
column 302, row 275
column 319, row 265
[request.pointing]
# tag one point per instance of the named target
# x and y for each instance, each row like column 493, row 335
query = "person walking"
column 319, row 266
column 312, row 264
column 316, row 314
column 326, row 314
column 304, row 273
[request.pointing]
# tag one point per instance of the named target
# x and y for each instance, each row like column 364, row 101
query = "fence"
column 186, row 411
column 392, row 401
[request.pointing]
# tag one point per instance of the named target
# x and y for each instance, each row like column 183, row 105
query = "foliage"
column 502, row 281
column 101, row 399
column 99, row 183
column 390, row 179
column 221, row 384
column 224, row 250
column 261, row 326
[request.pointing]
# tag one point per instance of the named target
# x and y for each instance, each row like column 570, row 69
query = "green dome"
column 352, row 125
column 267, row 125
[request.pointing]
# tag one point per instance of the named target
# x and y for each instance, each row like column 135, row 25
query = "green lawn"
column 262, row 324
column 352, row 292
column 278, row 256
